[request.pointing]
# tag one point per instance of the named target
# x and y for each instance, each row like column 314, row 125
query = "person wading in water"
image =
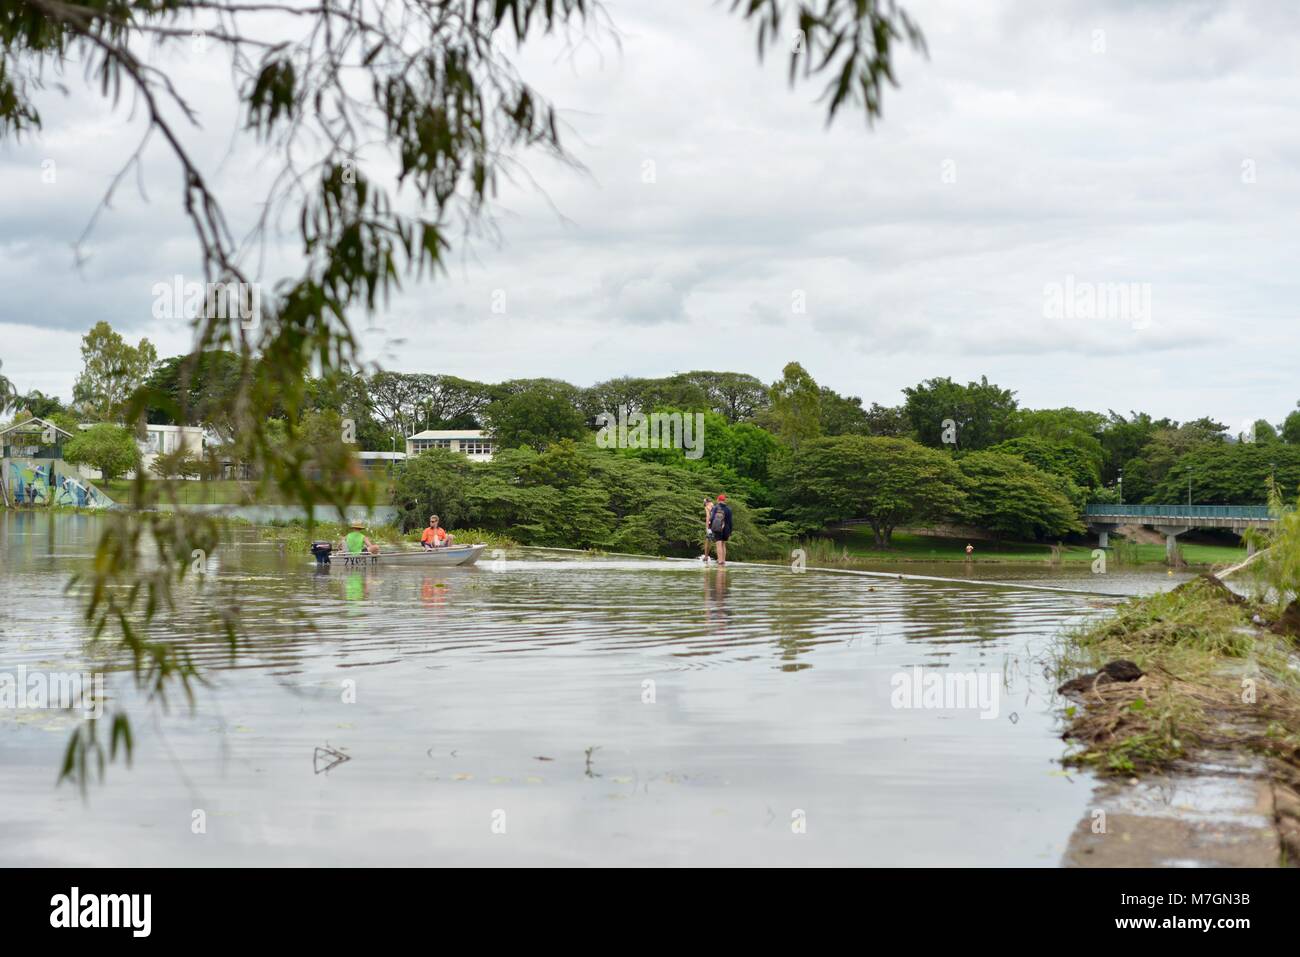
column 720, row 524
column 708, row 531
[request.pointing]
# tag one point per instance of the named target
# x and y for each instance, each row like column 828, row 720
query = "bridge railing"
column 1254, row 512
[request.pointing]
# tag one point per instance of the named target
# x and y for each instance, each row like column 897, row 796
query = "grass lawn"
column 860, row 543
column 217, row 492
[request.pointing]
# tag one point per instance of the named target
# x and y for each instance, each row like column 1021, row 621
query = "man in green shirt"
column 356, row 542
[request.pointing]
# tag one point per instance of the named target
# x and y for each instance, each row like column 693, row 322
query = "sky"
column 1042, row 152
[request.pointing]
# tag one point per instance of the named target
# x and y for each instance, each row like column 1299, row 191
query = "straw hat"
column 358, row 524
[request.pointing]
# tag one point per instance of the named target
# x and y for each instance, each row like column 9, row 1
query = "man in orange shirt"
column 435, row 536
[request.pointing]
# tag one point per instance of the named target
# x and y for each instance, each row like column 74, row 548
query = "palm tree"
column 39, row 404
column 9, row 398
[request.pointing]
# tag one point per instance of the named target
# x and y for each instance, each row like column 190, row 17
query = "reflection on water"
column 615, row 711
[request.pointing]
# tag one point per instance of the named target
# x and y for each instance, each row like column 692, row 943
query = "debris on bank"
column 1194, row 722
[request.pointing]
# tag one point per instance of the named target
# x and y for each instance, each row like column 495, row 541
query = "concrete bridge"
column 1173, row 520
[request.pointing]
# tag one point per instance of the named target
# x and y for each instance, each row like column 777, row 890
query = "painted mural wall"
column 45, row 482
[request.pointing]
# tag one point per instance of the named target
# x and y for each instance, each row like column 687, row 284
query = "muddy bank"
column 1188, row 706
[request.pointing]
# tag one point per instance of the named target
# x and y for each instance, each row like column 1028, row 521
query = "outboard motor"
column 322, row 552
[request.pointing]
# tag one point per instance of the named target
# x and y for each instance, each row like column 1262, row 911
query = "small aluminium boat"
column 421, row 557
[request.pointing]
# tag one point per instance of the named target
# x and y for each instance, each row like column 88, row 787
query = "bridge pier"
column 1103, row 530
column 1171, row 533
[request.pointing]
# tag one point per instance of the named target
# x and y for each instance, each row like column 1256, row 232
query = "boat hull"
column 421, row 558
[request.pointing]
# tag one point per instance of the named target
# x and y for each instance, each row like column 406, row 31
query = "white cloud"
column 1014, row 155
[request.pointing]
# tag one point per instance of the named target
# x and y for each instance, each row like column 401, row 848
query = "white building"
column 163, row 439
column 158, row 440
column 476, row 444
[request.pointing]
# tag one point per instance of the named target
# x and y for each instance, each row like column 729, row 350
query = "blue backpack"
column 718, row 520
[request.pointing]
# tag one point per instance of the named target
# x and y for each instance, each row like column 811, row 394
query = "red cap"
column 722, row 497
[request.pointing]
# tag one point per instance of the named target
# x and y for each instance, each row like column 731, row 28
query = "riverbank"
column 1188, row 704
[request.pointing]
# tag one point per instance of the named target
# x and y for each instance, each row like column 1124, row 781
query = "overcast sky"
column 1042, row 146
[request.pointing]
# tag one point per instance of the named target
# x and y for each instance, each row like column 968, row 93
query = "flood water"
column 553, row 708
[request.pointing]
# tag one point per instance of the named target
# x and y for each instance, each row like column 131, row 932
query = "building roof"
column 34, row 425
column 451, row 434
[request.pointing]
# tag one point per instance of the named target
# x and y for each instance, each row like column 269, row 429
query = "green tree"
column 578, row 496
column 560, row 466
column 323, row 443
column 1122, row 439
column 64, row 420
column 539, row 413
column 1170, row 442
column 435, row 482
column 1277, row 573
column 983, row 414
column 111, row 371
column 109, row 448
column 398, row 399
column 738, row 455
column 1008, row 496
column 179, row 463
column 1059, row 458
column 643, row 395
column 736, row 396
column 1223, row 473
column 198, row 389
column 1137, row 484
column 347, row 393
column 9, row 397
column 451, row 402
column 1291, row 427
column 888, row 421
column 842, row 414
column 1066, row 425
column 795, row 411
column 888, row 482
column 1203, row 429
column 1264, row 432
column 674, row 392
column 613, row 394
column 39, row 404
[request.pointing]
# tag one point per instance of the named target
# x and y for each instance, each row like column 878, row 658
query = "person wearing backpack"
column 720, row 524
